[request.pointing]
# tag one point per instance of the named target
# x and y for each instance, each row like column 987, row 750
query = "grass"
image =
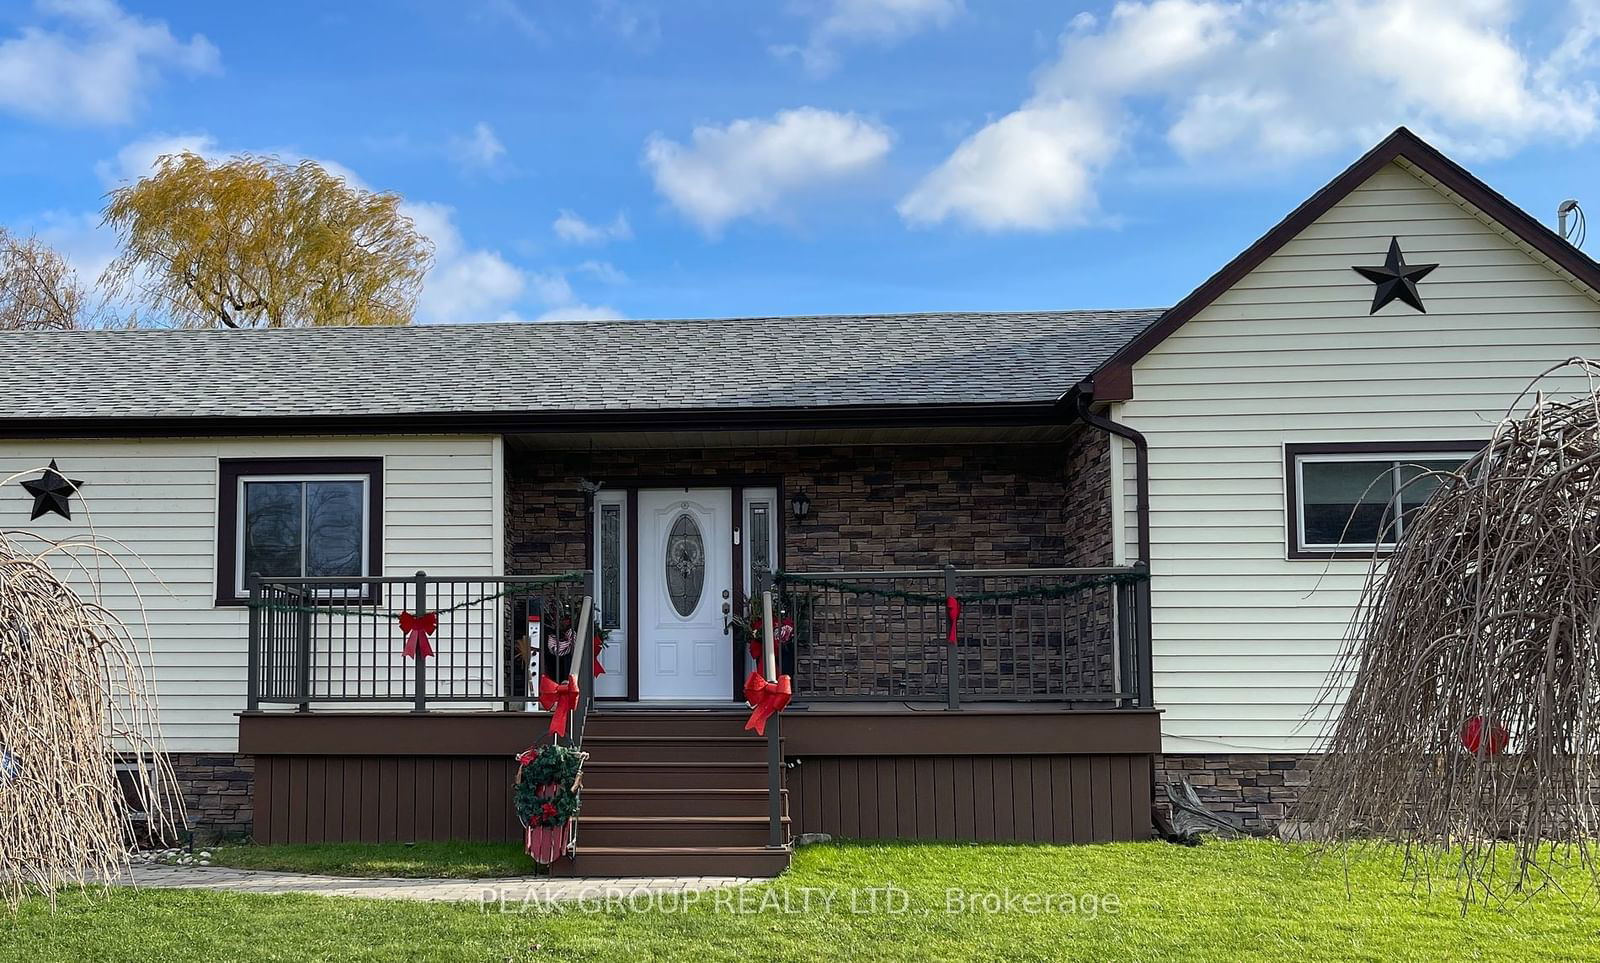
column 456, row 860
column 1248, row 900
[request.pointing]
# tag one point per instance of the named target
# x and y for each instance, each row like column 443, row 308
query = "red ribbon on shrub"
column 767, row 699
column 417, row 629
column 559, row 699
column 952, row 608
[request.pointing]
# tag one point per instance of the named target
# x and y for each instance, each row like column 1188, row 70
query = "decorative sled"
column 546, row 795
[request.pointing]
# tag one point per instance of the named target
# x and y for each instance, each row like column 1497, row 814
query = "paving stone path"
column 510, row 893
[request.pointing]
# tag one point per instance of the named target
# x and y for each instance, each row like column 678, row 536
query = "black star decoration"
column 1396, row 280
column 51, row 490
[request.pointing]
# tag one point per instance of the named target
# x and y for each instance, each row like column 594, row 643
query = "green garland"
column 935, row 598
column 549, row 765
column 511, row 588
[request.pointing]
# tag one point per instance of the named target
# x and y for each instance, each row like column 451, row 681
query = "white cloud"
column 481, row 150
column 880, row 21
column 138, row 159
column 465, row 284
column 1253, row 84
column 511, row 12
column 637, row 25
column 752, row 166
column 575, row 230
column 1055, row 149
column 581, row 312
column 78, row 237
column 603, row 271
column 91, row 62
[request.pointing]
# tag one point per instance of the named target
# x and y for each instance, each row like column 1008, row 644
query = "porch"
column 1026, row 716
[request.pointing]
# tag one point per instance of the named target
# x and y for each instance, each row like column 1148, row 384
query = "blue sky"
column 673, row 158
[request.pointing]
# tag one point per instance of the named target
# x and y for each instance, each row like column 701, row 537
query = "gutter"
column 538, row 422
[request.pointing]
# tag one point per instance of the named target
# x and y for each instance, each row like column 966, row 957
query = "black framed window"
column 299, row 517
column 1349, row 499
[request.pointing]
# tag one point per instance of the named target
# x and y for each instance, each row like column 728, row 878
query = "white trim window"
column 299, row 518
column 1352, row 502
column 311, row 526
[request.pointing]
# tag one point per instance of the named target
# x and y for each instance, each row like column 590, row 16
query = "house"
column 1157, row 523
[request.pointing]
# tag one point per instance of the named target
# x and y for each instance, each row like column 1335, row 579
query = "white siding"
column 1244, row 637
column 158, row 499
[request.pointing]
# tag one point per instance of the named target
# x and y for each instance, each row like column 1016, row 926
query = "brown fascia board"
column 1113, row 381
column 533, row 422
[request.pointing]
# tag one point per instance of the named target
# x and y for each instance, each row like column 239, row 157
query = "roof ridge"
column 618, row 322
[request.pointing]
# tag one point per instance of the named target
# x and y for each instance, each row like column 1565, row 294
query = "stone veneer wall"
column 216, row 793
column 1258, row 790
column 872, row 507
column 885, row 507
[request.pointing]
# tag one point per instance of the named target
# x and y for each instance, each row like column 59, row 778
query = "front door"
column 685, row 566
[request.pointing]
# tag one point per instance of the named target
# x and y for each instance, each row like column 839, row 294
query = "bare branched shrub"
column 1481, row 630
column 74, row 702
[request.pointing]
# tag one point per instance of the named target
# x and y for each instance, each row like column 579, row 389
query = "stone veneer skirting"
column 216, row 793
column 1259, row 790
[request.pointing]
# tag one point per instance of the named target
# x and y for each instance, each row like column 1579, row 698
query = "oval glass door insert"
column 686, row 564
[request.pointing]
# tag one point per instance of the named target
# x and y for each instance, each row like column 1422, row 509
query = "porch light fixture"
column 800, row 505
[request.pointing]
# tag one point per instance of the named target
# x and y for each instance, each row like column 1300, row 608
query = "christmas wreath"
column 546, row 792
column 750, row 625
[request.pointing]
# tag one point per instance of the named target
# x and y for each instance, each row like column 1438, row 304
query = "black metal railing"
column 1024, row 634
column 338, row 641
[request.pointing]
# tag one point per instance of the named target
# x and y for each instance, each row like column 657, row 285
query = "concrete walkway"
column 489, row 893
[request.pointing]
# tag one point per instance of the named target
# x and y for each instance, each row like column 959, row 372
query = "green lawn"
column 458, row 860
column 1248, row 900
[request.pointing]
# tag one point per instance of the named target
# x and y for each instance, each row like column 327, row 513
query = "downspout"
column 1083, row 397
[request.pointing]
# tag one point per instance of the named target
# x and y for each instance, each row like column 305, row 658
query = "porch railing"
column 1078, row 635
column 337, row 641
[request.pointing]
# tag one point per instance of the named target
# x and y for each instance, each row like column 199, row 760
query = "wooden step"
column 676, row 802
column 672, row 748
column 669, row 832
column 600, row 774
column 686, row 722
column 674, row 861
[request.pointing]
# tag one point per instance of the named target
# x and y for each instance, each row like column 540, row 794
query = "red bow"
column 767, row 699
column 599, row 643
column 417, row 629
column 754, row 685
column 527, row 755
column 559, row 699
column 952, row 608
column 1482, row 734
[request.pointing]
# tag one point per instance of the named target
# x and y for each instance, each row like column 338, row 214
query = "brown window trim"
column 229, row 470
column 1291, row 484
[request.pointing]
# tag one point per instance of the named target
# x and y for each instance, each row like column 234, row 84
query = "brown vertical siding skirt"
column 336, row 777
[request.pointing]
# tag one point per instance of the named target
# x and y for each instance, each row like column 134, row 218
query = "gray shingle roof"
column 932, row 359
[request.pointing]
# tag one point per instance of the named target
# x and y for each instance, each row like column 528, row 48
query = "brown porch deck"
column 1022, row 772
column 1027, row 718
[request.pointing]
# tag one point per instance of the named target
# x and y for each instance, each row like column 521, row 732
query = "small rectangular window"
column 611, row 565
column 293, row 518
column 1352, row 499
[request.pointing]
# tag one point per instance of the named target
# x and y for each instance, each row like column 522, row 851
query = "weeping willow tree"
column 255, row 242
column 75, row 706
column 1470, row 731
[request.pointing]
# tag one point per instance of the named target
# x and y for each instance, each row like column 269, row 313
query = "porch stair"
column 674, row 793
